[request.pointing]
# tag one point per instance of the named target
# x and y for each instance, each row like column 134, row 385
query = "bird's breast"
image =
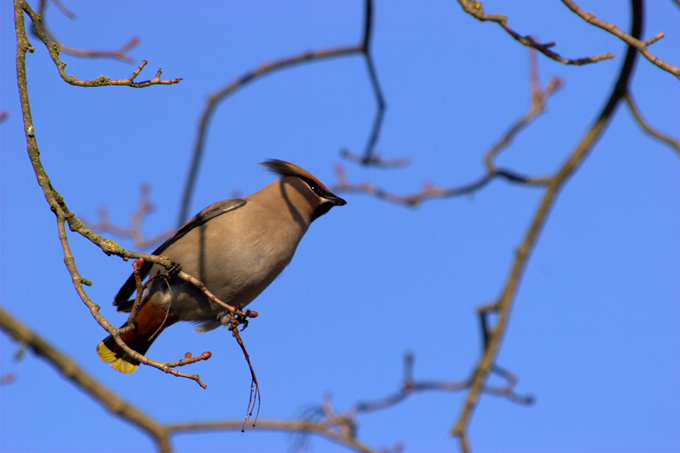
column 236, row 258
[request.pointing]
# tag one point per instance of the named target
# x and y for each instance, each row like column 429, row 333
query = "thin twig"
column 539, row 97
column 201, row 286
column 369, row 155
column 375, row 160
column 119, row 54
column 410, row 386
column 220, row 95
column 74, row 373
column 137, row 304
column 538, row 100
column 158, row 432
column 134, row 231
column 265, row 69
column 78, row 282
column 58, row 205
column 54, row 48
column 255, row 396
column 625, row 37
column 476, row 9
column 635, row 110
column 324, row 429
column 60, row 6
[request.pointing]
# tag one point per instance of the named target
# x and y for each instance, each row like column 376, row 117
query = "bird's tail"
column 149, row 323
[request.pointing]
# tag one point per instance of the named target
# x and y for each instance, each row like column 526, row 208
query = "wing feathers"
column 122, row 298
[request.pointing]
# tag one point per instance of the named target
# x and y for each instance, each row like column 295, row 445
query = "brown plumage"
column 235, row 247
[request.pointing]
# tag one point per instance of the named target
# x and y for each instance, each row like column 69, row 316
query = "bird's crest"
column 283, row 168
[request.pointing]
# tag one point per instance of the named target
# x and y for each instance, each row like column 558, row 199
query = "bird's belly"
column 236, row 281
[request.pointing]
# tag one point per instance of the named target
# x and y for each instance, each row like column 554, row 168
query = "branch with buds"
column 538, row 101
column 54, row 48
column 625, row 37
column 119, row 54
column 476, row 10
column 134, row 231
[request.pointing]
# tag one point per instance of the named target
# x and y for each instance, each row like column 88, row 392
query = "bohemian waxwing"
column 235, row 247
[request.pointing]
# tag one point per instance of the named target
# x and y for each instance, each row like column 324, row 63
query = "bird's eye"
column 314, row 187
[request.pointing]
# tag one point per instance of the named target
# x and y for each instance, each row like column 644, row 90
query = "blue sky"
column 594, row 331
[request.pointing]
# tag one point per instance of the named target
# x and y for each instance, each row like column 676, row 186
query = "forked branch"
column 476, row 10
column 632, row 41
column 118, row 54
column 538, row 101
column 54, row 48
column 503, row 305
column 214, row 99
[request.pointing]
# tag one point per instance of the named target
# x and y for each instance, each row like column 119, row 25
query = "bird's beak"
column 335, row 200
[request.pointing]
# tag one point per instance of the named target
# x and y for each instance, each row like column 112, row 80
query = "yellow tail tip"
column 108, row 356
column 105, row 353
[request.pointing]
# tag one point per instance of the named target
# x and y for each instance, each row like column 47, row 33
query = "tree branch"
column 268, row 68
column 411, row 386
column 503, row 305
column 71, row 371
column 323, row 429
column 625, row 37
column 538, row 102
column 134, row 231
column 476, row 10
column 54, row 48
column 61, row 211
column 635, row 110
column 159, row 433
column 119, row 54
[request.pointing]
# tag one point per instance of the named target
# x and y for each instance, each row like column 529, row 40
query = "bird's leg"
column 241, row 320
column 174, row 269
column 238, row 318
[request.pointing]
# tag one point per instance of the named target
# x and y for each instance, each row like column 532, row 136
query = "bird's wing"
column 122, row 298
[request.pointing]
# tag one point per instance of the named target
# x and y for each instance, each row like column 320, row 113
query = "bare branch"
column 374, row 160
column 504, row 303
column 158, row 432
column 369, row 156
column 324, row 429
column 129, row 325
column 410, row 386
column 476, row 9
column 635, row 110
column 134, row 231
column 61, row 211
column 539, row 97
column 625, row 37
column 268, row 68
column 119, row 54
column 428, row 191
column 254, row 385
column 60, row 6
column 54, row 48
column 71, row 371
column 220, row 95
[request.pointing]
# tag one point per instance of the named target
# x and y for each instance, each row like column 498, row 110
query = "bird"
column 235, row 247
